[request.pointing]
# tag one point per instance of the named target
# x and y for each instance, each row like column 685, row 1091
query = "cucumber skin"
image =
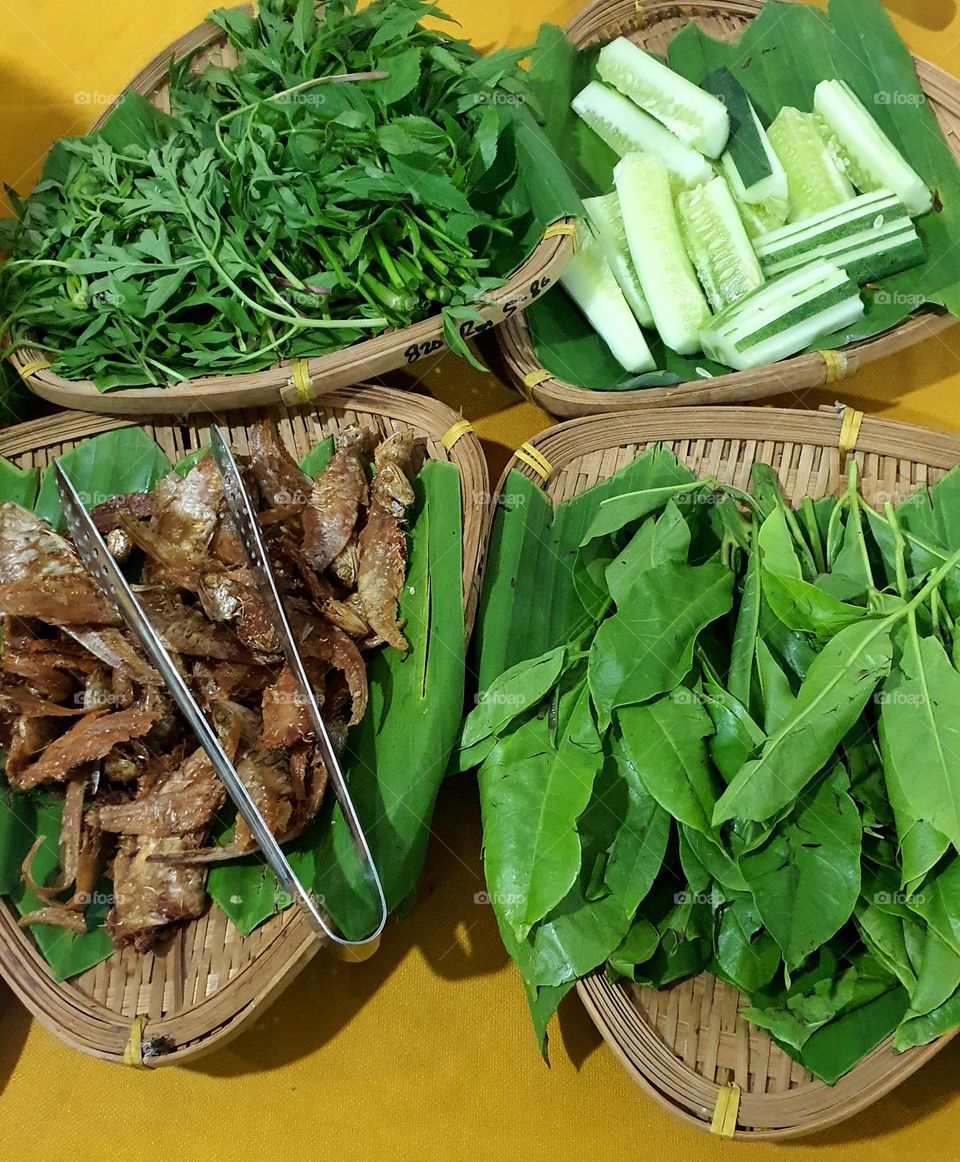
column 702, row 122
column 836, row 223
column 686, row 166
column 669, row 283
column 745, row 145
column 785, row 302
column 848, row 230
column 863, row 267
column 814, row 183
column 728, row 276
column 803, row 335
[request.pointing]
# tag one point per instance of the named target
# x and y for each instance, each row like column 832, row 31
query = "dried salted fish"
column 83, row 714
column 335, row 499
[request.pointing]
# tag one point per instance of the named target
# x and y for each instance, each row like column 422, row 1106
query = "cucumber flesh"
column 717, row 243
column 589, row 281
column 607, row 222
column 699, row 119
column 869, row 237
column 627, row 129
column 860, row 147
column 764, row 204
column 814, row 180
column 783, row 317
column 666, row 274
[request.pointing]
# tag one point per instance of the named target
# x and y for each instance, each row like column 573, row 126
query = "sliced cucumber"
column 669, row 283
column 814, row 180
column 589, row 281
column 869, row 237
column 783, row 317
column 607, row 222
column 627, row 129
column 745, row 144
column 752, row 169
column 699, row 119
column 861, row 148
column 717, row 243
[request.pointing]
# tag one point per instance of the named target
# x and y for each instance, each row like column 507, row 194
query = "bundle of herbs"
column 355, row 171
column 717, row 733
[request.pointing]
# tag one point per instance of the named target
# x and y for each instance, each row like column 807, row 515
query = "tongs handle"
column 104, row 569
column 247, row 526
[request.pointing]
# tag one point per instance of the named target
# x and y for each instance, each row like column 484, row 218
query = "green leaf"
column 831, row 699
column 747, row 956
column 122, row 460
column 532, row 791
column 515, row 692
column 637, row 947
column 638, row 849
column 820, row 997
column 665, row 742
column 18, row 485
column 657, row 542
column 646, row 648
column 397, row 756
column 806, row 879
column 920, row 706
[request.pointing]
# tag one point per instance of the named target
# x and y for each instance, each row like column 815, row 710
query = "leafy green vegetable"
column 354, row 171
column 766, row 781
column 806, row 879
column 647, row 646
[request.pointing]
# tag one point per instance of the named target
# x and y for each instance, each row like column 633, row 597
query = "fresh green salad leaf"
column 759, row 776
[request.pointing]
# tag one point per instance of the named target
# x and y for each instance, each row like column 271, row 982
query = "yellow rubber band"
column 33, row 367
column 849, row 431
column 301, row 380
column 725, row 1111
column 529, row 455
column 836, row 364
column 133, row 1052
column 455, row 433
column 562, row 230
column 532, row 379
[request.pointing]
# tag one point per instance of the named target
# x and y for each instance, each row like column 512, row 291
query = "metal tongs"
column 105, row 570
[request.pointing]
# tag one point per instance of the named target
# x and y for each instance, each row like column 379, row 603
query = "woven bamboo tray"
column 685, row 1044
column 298, row 381
column 211, row 979
column 652, row 24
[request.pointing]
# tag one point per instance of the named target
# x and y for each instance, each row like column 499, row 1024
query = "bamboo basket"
column 211, row 979
column 298, row 381
column 686, row 1044
column 652, row 24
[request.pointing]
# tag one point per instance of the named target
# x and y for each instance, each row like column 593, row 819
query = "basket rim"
column 80, row 1020
column 692, row 1098
column 350, row 365
column 600, row 21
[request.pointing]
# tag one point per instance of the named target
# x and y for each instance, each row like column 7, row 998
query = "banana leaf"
column 395, row 759
column 779, row 59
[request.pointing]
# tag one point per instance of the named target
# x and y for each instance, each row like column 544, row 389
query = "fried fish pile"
column 84, row 715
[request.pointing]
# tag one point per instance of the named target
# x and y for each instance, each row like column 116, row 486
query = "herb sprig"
column 353, row 171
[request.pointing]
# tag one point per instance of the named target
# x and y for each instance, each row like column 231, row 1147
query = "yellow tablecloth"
column 424, row 1051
